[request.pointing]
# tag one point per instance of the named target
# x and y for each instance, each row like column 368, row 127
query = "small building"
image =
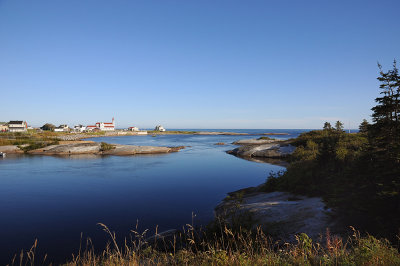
column 133, row 129
column 79, row 128
column 159, row 128
column 3, row 127
column 91, row 128
column 17, row 126
column 62, row 128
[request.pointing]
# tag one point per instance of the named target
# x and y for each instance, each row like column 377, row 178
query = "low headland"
column 51, row 143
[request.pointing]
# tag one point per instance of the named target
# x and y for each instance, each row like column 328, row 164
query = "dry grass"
column 226, row 247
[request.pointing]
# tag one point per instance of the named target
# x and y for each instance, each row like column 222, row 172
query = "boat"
column 2, row 154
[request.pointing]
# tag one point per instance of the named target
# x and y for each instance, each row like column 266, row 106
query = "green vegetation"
column 37, row 145
column 95, row 133
column 106, row 147
column 30, row 140
column 357, row 174
column 48, row 127
column 266, row 138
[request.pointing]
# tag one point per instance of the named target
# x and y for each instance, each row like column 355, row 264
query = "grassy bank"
column 30, row 140
column 227, row 247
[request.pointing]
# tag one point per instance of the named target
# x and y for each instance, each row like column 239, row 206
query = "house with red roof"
column 103, row 126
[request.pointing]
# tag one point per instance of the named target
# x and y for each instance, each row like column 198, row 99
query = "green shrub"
column 106, row 147
column 265, row 138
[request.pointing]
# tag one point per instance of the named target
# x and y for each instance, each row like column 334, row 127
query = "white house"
column 17, row 126
column 159, row 128
column 62, row 128
column 133, row 129
column 79, row 128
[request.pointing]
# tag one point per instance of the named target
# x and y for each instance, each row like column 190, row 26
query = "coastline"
column 50, row 143
column 78, row 136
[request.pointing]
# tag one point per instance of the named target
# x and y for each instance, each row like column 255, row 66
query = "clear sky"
column 194, row 64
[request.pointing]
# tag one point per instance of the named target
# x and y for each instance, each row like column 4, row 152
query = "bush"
column 106, row 147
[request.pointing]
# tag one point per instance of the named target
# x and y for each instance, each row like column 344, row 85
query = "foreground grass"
column 226, row 247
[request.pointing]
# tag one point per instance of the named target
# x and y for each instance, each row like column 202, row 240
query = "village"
column 22, row 126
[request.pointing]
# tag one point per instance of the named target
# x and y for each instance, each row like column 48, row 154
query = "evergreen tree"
column 339, row 126
column 385, row 132
column 327, row 126
column 364, row 126
column 384, row 137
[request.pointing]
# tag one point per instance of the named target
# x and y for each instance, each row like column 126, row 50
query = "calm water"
column 54, row 199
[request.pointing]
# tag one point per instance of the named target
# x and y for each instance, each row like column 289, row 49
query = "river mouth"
column 54, row 199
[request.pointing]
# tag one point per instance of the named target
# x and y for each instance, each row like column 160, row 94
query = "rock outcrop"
column 10, row 149
column 259, row 141
column 263, row 148
column 96, row 148
column 282, row 215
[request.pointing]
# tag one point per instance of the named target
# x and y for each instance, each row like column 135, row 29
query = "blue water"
column 54, row 199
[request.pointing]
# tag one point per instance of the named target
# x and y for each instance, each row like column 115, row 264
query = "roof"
column 16, row 122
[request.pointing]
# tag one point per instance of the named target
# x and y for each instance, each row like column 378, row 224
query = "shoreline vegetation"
column 221, row 244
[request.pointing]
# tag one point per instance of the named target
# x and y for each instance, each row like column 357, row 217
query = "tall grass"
column 229, row 247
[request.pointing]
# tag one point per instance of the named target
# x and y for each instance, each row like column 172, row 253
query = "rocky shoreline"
column 94, row 148
column 262, row 148
column 282, row 215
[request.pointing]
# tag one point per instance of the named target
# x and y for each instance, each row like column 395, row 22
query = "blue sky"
column 194, row 64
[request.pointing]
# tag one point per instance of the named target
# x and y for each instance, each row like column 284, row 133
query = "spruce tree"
column 384, row 137
column 385, row 131
column 339, row 126
column 363, row 128
column 327, row 126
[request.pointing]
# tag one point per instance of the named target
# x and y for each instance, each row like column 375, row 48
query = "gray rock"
column 95, row 148
column 272, row 150
column 10, row 149
column 281, row 214
column 256, row 141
